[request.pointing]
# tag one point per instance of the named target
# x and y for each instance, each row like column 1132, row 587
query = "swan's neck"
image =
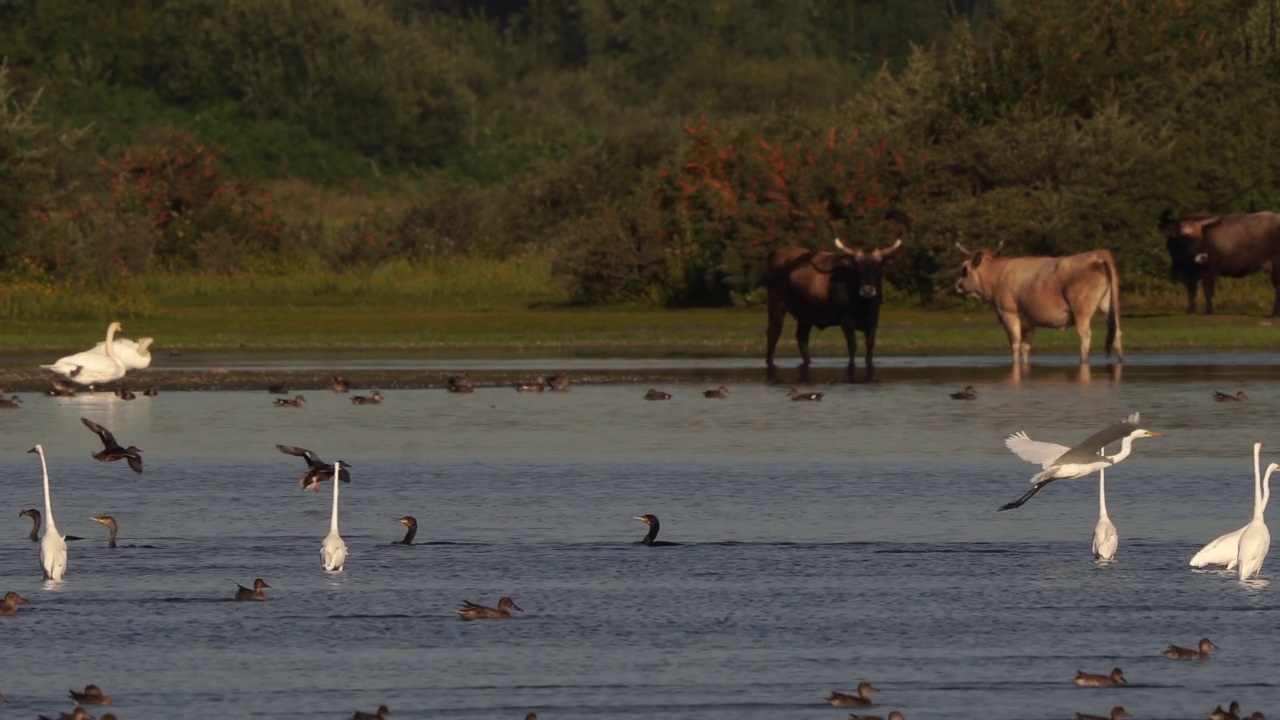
column 1102, row 493
column 111, row 344
column 49, row 527
column 408, row 536
column 337, row 480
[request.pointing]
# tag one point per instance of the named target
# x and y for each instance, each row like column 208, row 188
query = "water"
column 826, row 544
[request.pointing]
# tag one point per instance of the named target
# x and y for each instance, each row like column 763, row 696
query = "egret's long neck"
column 337, row 480
column 49, row 526
column 1126, row 447
column 1258, row 503
column 1266, row 492
column 1102, row 493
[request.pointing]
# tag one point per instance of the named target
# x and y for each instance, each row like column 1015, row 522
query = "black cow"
column 1203, row 247
column 823, row 289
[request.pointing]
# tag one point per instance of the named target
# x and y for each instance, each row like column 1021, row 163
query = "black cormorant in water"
column 111, row 450
column 35, row 516
column 410, row 522
column 652, row 522
column 114, row 527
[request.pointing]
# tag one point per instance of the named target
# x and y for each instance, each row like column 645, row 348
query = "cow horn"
column 843, row 247
column 896, row 244
column 962, row 248
column 998, row 246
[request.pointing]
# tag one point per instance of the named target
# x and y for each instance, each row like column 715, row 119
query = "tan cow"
column 1053, row 292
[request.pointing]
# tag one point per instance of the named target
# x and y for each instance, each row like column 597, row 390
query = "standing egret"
column 1063, row 463
column 53, row 549
column 1255, row 541
column 1226, row 548
column 333, row 551
column 1105, row 539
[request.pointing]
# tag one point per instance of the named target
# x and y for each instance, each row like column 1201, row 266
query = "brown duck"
column 92, row 695
column 1233, row 713
column 657, row 395
column 1117, row 713
column 803, row 397
column 459, row 383
column 373, row 399
column 297, row 402
column 1084, row 679
column 111, row 450
column 472, row 611
column 1224, row 397
column 9, row 605
column 152, row 391
column 720, row 392
column 559, row 382
column 13, row 402
column 968, row 393
column 61, row 388
column 893, row 715
column 538, row 385
column 1200, row 653
column 340, row 384
column 78, row 714
column 381, row 714
column 318, row 470
column 125, row 393
column 862, row 699
column 244, row 593
column 278, row 389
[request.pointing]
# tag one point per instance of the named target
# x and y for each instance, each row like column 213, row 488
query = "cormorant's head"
column 649, row 520
column 408, row 521
column 105, row 520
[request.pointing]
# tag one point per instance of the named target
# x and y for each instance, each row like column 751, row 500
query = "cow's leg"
column 1013, row 327
column 870, row 337
column 851, row 344
column 1191, row 295
column 1085, row 330
column 1275, row 281
column 802, row 340
column 1209, row 282
column 777, row 314
column 1025, row 345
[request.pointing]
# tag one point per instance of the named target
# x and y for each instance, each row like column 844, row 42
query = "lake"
column 825, row 544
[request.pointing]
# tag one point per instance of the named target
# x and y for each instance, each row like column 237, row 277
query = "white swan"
column 1105, row 539
column 333, row 551
column 89, row 367
column 133, row 354
column 53, row 548
column 1256, row 539
column 1226, row 548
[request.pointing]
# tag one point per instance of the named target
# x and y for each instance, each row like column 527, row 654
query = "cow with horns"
column 821, row 289
column 1204, row 247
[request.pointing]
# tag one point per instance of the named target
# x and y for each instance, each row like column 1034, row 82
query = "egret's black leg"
column 1020, row 501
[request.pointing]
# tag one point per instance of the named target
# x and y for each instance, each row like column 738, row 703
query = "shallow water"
column 826, row 544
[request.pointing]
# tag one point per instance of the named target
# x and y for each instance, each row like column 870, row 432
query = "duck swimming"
column 1224, row 397
column 9, row 604
column 318, row 470
column 111, row 450
column 340, row 384
column 559, row 382
column 78, row 714
column 967, row 394
column 297, row 401
column 410, row 522
column 862, row 699
column 1084, row 679
column 151, row 391
column 125, row 393
column 720, row 392
column 657, row 395
column 1232, row 714
column 538, row 385
column 652, row 522
column 374, row 399
column 61, row 388
column 894, row 715
column 92, row 695
column 278, row 389
column 459, row 383
column 381, row 714
column 13, row 402
column 802, row 397
column 244, row 593
column 1117, row 713
column 1200, row 653
column 472, row 611
column 34, row 536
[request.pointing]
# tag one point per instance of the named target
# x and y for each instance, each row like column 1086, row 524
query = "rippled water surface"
column 825, row 544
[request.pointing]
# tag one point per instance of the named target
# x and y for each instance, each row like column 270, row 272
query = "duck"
column 1200, row 653
column 318, row 470
column 472, row 611
column 9, row 604
column 133, row 354
column 1084, row 679
column 92, row 695
column 13, row 402
column 1224, row 397
column 411, row 523
column 382, row 713
column 296, row 402
column 893, row 715
column 244, row 593
column 278, row 389
column 151, row 391
column 654, row 526
column 459, row 383
column 61, row 388
column 111, row 450
column 720, row 392
column 340, row 384
column 538, row 385
column 78, row 714
column 375, row 398
column 862, row 699
column 114, row 527
column 1117, row 713
column 89, row 367
column 559, row 382
column 807, row 396
column 35, row 516
column 1232, row 714
column 125, row 393
column 967, row 394
column 657, row 395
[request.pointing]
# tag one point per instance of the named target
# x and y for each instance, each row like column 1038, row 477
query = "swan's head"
column 115, row 327
column 145, row 343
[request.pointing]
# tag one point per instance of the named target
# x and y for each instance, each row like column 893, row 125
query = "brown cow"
column 1204, row 247
column 823, row 289
column 1054, row 292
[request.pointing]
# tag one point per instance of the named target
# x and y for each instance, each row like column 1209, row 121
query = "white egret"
column 1226, row 548
column 1105, row 539
column 133, row 354
column 53, row 549
column 90, row 367
column 1063, row 463
column 1255, row 541
column 333, row 551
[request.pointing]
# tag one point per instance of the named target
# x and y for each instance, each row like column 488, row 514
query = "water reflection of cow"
column 1202, row 247
column 821, row 289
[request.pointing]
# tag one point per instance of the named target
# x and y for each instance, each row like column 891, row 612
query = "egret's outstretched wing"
column 1034, row 451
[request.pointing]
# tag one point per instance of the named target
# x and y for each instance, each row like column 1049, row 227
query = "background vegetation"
column 597, row 151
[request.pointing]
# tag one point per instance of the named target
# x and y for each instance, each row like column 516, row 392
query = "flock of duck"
column 1242, row 550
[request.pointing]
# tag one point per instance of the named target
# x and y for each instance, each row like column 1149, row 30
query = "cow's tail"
column 1113, row 312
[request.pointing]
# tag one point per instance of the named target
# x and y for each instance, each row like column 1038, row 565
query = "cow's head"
column 969, row 284
column 1185, row 243
column 869, row 266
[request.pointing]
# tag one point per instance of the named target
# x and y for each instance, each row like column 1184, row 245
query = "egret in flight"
column 1064, row 463
column 1225, row 548
column 53, row 549
column 333, row 551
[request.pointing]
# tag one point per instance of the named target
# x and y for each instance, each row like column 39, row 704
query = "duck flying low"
column 111, row 450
